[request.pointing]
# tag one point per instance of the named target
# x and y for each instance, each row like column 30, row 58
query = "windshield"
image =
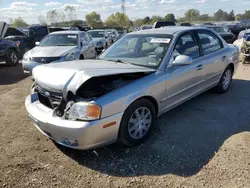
column 60, row 40
column 96, row 34
column 143, row 50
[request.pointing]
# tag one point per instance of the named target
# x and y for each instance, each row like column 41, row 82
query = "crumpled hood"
column 51, row 51
column 71, row 75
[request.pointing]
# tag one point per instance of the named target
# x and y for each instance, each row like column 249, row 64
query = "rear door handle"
column 199, row 67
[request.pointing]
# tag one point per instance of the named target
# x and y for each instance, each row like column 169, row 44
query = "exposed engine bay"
column 98, row 86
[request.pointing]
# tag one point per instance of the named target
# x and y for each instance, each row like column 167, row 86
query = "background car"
column 60, row 46
column 100, row 39
column 35, row 33
column 9, row 51
column 118, row 96
column 226, row 35
column 163, row 24
column 113, row 35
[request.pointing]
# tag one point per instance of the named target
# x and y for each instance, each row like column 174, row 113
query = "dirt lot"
column 203, row 143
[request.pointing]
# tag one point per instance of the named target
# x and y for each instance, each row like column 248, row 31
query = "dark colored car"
column 35, row 33
column 186, row 24
column 54, row 29
column 226, row 35
column 9, row 51
column 163, row 24
column 24, row 43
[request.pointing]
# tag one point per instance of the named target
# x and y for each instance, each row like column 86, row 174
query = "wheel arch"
column 149, row 98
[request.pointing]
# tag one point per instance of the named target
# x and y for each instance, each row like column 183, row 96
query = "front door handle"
column 199, row 67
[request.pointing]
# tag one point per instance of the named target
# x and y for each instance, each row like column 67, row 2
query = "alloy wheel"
column 139, row 123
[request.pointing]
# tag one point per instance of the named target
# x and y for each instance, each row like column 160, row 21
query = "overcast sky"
column 30, row 9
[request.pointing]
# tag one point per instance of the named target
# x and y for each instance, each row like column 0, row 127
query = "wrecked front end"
column 71, row 116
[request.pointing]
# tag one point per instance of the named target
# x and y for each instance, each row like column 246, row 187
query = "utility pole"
column 123, row 6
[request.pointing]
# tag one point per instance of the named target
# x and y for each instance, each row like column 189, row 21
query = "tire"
column 242, row 58
column 225, row 81
column 127, row 136
column 81, row 57
column 12, row 58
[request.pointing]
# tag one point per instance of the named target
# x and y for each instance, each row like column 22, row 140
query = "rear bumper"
column 80, row 135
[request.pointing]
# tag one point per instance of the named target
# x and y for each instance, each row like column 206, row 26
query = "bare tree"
column 70, row 12
column 61, row 16
column 52, row 16
column 42, row 20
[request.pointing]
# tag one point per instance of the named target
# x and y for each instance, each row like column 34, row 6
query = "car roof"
column 66, row 32
column 167, row 30
column 33, row 27
column 96, row 30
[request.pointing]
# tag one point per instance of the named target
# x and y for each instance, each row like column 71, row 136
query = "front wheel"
column 12, row 58
column 225, row 81
column 137, row 123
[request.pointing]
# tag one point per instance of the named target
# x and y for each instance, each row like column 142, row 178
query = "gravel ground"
column 203, row 143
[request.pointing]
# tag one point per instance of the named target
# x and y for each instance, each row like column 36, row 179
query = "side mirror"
column 182, row 60
column 37, row 43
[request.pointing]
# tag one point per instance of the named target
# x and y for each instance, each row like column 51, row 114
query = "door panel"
column 214, row 56
column 183, row 82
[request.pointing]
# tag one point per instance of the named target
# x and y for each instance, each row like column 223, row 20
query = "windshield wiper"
column 117, row 61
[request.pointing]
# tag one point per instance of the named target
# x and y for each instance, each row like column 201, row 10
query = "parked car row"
column 117, row 97
column 39, row 44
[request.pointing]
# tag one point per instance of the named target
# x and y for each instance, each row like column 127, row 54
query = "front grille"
column 45, row 60
column 48, row 98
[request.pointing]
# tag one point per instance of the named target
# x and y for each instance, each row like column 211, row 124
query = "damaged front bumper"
column 80, row 135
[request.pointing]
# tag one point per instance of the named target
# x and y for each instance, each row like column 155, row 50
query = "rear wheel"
column 137, row 123
column 242, row 58
column 12, row 58
column 81, row 57
column 225, row 81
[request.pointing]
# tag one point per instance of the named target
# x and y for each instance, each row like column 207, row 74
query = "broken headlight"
column 83, row 111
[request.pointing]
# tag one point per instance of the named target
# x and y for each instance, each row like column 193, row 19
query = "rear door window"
column 209, row 42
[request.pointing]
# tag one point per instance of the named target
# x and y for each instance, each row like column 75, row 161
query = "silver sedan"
column 58, row 47
column 117, row 97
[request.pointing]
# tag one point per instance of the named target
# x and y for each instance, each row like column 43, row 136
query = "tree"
column 218, row 15
column 61, row 16
column 94, row 20
column 192, row 15
column 146, row 20
column 19, row 22
column 42, row 20
column 170, row 17
column 231, row 16
column 52, row 16
column 204, row 17
column 70, row 12
column 138, row 22
column 118, row 20
column 156, row 19
column 225, row 17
